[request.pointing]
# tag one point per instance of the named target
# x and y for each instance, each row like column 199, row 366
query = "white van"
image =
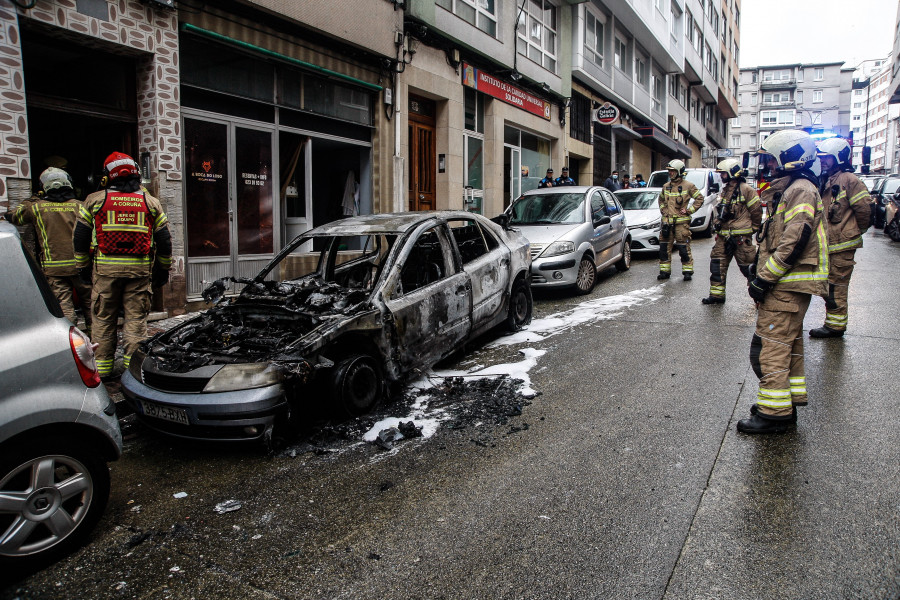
column 709, row 182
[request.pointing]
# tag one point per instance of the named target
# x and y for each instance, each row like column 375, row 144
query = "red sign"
column 501, row 90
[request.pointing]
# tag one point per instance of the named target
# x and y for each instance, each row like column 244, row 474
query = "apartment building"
column 812, row 97
column 873, row 118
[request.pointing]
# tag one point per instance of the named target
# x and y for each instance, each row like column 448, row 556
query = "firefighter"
column 133, row 249
column 676, row 206
column 53, row 214
column 846, row 200
column 737, row 218
column 792, row 265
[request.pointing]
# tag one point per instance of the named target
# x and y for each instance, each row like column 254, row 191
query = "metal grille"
column 536, row 250
column 172, row 382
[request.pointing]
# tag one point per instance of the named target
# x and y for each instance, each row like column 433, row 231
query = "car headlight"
column 232, row 378
column 557, row 248
column 652, row 225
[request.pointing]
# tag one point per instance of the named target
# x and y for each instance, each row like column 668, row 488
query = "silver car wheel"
column 56, row 499
column 624, row 263
column 587, row 275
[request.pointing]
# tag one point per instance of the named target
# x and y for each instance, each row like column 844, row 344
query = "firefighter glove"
column 758, row 288
column 160, row 277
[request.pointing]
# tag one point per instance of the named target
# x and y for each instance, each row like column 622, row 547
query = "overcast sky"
column 790, row 31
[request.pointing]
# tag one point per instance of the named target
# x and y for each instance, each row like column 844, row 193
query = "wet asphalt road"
column 629, row 482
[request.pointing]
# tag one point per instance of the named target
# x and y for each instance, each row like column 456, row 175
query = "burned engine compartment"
column 264, row 323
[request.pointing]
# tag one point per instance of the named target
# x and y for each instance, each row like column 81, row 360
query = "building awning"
column 657, row 139
column 625, row 132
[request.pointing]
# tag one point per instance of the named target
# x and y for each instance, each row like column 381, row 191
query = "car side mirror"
column 601, row 220
column 714, row 188
column 502, row 220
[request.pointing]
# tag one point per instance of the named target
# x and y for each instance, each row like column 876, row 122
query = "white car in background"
column 709, row 183
column 642, row 214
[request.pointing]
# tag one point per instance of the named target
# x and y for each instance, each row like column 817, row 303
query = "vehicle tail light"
column 83, row 351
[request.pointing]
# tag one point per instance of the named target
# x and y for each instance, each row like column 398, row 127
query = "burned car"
column 344, row 310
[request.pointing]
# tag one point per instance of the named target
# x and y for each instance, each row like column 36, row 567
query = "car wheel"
column 520, row 305
column 624, row 263
column 54, row 492
column 358, row 384
column 893, row 230
column 587, row 275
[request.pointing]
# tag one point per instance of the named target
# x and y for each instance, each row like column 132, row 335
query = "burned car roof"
column 383, row 223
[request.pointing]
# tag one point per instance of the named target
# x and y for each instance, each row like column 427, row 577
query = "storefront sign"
column 483, row 82
column 607, row 114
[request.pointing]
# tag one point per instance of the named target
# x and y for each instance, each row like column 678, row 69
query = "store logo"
column 606, row 114
column 207, row 165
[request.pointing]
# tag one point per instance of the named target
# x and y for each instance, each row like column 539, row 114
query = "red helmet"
column 119, row 165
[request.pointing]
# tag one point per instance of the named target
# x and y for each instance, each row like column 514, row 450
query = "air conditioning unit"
column 673, row 127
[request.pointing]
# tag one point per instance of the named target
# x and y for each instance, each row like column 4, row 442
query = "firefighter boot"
column 759, row 423
column 663, row 275
column 754, row 408
column 713, row 300
column 688, row 276
column 826, row 332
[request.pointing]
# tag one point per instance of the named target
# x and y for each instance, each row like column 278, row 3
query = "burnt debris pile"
column 478, row 400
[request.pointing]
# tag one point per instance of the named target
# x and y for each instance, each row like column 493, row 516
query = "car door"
column 616, row 227
column 486, row 261
column 603, row 232
column 428, row 299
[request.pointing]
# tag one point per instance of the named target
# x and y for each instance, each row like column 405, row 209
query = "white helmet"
column 677, row 166
column 838, row 148
column 792, row 149
column 54, row 179
column 731, row 167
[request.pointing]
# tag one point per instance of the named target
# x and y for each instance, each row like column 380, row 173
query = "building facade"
column 873, row 118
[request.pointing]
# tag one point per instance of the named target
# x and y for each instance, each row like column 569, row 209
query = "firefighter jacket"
column 54, row 218
column 677, row 195
column 141, row 217
column 846, row 200
column 740, row 211
column 793, row 245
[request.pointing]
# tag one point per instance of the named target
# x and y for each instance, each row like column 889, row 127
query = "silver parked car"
column 644, row 219
column 58, row 425
column 344, row 309
column 574, row 231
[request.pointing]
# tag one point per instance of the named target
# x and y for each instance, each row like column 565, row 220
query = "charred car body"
column 344, row 309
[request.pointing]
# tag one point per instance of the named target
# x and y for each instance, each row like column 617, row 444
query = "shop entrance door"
column 229, row 210
column 422, row 163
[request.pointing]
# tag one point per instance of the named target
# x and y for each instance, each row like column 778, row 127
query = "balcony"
column 778, row 104
column 777, row 83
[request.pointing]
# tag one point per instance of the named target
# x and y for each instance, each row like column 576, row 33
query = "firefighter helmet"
column 677, row 166
column 54, row 179
column 792, row 149
column 119, row 164
column 837, row 148
column 730, row 167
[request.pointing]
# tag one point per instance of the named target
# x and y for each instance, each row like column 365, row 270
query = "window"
column 698, row 39
column 473, row 139
column 673, row 86
column 777, row 117
column 736, row 122
column 640, row 70
column 857, row 105
column 656, row 90
column 594, row 37
column 776, row 97
column 799, row 96
column 427, row 263
column 675, row 23
column 857, row 92
column 753, row 119
column 800, row 74
column 480, row 13
column 753, row 98
column 735, row 141
column 753, row 141
column 817, row 95
column 580, row 118
column 777, row 75
column 857, row 117
column 683, row 96
column 537, row 33
column 820, row 73
column 473, row 241
column 620, row 56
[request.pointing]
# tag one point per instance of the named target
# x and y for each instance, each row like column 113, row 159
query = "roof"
column 384, row 222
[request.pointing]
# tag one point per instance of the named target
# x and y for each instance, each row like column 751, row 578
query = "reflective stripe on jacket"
column 54, row 223
column 745, row 208
column 677, row 195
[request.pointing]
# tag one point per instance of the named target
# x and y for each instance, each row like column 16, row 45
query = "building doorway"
column 422, row 163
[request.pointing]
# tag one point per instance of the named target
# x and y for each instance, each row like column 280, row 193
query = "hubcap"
column 585, row 274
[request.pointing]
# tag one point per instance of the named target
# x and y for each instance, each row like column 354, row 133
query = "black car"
column 881, row 194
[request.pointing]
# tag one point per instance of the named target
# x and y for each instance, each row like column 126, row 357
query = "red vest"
column 124, row 224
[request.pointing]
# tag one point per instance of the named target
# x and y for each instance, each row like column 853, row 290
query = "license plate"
column 176, row 415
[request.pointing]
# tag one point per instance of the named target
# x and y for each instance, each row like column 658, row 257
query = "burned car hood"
column 268, row 321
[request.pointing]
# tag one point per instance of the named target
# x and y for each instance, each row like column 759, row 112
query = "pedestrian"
column 564, row 179
column 133, row 250
column 737, row 218
column 626, row 181
column 792, row 264
column 846, row 200
column 677, row 202
column 612, row 182
column 53, row 213
column 548, row 180
column 639, row 181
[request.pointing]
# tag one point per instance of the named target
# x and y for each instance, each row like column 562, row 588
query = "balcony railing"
column 778, row 104
column 778, row 83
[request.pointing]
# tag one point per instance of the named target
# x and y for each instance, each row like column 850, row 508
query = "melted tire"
column 521, row 306
column 357, row 385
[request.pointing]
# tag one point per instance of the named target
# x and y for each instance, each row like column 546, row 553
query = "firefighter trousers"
column 739, row 247
column 839, row 271
column 776, row 352
column 677, row 237
column 63, row 287
column 131, row 295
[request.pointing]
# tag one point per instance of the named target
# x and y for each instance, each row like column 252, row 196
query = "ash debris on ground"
column 488, row 403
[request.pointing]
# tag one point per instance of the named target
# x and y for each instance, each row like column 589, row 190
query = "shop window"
column 217, row 67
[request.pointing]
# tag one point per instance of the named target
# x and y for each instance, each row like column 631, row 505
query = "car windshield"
column 638, row 200
column 548, row 209
column 660, row 179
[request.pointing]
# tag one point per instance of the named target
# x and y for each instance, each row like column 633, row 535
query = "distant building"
column 873, row 119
